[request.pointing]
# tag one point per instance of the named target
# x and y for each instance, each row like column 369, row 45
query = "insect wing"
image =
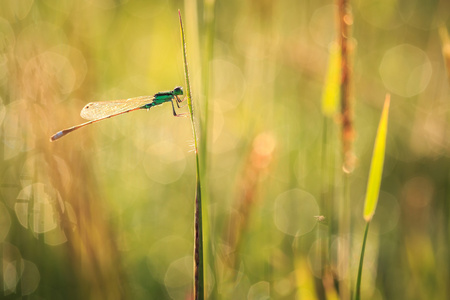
column 103, row 109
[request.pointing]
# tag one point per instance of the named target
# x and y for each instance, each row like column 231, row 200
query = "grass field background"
column 107, row 212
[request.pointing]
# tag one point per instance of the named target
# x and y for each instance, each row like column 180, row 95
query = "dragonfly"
column 98, row 111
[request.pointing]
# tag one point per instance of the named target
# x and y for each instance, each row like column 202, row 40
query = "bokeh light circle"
column 178, row 278
column 41, row 199
column 294, row 212
column 30, row 277
column 163, row 253
column 229, row 84
column 381, row 14
column 165, row 162
column 259, row 291
column 322, row 25
column 405, row 70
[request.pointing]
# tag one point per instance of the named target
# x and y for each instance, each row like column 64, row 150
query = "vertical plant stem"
column 323, row 168
column 374, row 182
column 323, row 203
column 198, row 227
column 345, row 22
column 361, row 260
column 324, row 207
column 330, row 101
column 344, row 230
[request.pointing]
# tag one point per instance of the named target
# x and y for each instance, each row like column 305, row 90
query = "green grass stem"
column 361, row 260
column 347, row 136
column 374, row 183
column 199, row 291
column 330, row 102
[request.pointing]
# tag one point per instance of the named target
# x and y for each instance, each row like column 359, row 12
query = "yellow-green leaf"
column 376, row 166
column 330, row 96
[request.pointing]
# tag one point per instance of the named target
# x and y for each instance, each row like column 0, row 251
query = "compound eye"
column 178, row 90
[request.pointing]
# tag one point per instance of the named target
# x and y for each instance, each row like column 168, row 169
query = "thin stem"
column 345, row 22
column 361, row 260
column 198, row 220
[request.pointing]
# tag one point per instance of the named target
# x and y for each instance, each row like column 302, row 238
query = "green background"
column 107, row 212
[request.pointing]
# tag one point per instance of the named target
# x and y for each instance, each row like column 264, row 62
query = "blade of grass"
column 376, row 166
column 198, row 227
column 373, row 185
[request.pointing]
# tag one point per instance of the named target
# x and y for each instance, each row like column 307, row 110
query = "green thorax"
column 162, row 97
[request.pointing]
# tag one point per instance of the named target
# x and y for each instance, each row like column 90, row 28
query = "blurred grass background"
column 107, row 212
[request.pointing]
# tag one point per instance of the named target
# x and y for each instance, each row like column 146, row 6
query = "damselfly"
column 97, row 111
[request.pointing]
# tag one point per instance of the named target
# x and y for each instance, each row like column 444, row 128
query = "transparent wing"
column 103, row 109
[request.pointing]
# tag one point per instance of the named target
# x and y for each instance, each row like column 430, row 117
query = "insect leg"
column 174, row 112
column 179, row 101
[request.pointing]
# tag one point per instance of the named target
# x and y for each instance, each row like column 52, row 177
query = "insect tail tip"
column 56, row 136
